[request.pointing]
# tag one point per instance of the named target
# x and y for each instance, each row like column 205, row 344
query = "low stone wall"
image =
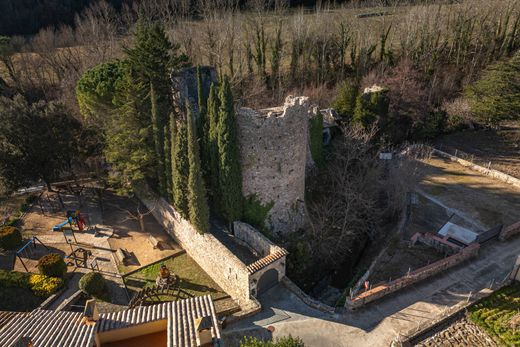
column 219, row 263
column 488, row 172
column 414, row 277
column 510, row 231
column 254, row 239
column 515, row 273
column 306, row 298
column 271, row 255
column 436, row 242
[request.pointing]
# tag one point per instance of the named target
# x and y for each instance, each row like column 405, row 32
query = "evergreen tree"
column 152, row 58
column 212, row 150
column 345, row 102
column 180, row 169
column 158, row 140
column 495, row 97
column 167, row 160
column 371, row 107
column 202, row 124
column 197, row 201
column 128, row 148
column 230, row 175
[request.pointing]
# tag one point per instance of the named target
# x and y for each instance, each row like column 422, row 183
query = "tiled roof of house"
column 56, row 329
column 181, row 317
column 268, row 259
column 6, row 316
column 48, row 329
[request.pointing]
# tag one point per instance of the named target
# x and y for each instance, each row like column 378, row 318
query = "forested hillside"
column 27, row 17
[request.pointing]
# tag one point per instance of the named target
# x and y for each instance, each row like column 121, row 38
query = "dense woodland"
column 27, row 17
column 95, row 96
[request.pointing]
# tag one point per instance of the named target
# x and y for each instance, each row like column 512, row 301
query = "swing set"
column 27, row 251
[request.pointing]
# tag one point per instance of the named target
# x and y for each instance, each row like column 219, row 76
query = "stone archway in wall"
column 268, row 280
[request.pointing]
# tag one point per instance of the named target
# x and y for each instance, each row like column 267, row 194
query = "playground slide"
column 58, row 227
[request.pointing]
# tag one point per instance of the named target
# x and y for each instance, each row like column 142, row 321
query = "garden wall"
column 253, row 239
column 219, row 263
column 271, row 255
column 510, row 231
column 414, row 277
column 488, row 172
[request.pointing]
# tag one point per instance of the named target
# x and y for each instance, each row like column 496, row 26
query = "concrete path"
column 380, row 322
column 72, row 287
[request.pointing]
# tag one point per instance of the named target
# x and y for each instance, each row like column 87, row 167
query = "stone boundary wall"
column 271, row 255
column 403, row 220
column 218, row 262
column 488, row 172
column 515, row 273
column 414, row 277
column 253, row 239
column 436, row 242
column 306, row 298
column 510, row 231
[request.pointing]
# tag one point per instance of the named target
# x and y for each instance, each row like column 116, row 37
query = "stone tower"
column 274, row 149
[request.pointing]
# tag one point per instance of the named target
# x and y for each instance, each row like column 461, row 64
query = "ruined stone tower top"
column 273, row 150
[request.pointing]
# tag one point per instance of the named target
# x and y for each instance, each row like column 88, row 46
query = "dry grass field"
column 501, row 147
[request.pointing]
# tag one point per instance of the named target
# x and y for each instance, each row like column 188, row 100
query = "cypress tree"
column 202, row 124
column 230, row 175
column 197, row 201
column 158, row 140
column 167, row 161
column 212, row 154
column 180, row 170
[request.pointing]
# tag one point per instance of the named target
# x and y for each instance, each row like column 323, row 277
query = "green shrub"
column 92, row 283
column 345, row 102
column 52, row 265
column 286, row 341
column 371, row 107
column 10, row 237
column 495, row 312
column 12, row 221
column 14, row 279
column 45, row 286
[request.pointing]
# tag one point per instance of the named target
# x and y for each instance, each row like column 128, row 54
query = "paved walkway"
column 380, row 321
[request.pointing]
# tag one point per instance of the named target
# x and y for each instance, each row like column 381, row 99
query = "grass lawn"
column 193, row 278
column 498, row 313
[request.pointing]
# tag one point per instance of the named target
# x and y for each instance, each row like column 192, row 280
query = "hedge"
column 45, row 286
column 40, row 285
column 286, row 341
column 92, row 283
column 52, row 265
column 10, row 237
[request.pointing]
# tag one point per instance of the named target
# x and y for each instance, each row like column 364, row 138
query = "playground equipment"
column 73, row 218
column 167, row 288
column 27, row 251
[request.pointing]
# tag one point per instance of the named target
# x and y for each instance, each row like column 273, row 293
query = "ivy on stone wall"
column 255, row 213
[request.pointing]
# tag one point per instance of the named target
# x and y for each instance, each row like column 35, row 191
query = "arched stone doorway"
column 267, row 281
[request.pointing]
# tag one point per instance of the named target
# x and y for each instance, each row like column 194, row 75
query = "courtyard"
column 112, row 226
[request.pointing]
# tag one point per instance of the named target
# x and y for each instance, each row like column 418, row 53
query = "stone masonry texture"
column 273, row 151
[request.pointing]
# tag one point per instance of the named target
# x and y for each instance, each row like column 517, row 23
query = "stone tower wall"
column 274, row 147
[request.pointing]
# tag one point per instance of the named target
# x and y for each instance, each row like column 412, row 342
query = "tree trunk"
column 48, row 184
column 141, row 223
